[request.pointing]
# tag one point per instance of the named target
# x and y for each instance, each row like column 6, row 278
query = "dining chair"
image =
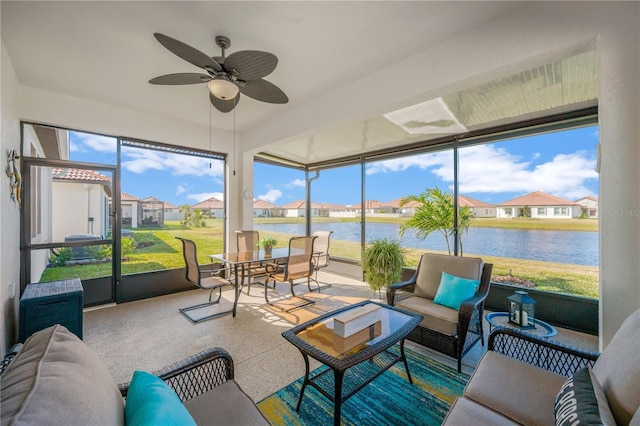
column 247, row 240
column 299, row 266
column 321, row 256
column 207, row 277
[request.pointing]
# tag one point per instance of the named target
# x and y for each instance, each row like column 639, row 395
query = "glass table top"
column 321, row 333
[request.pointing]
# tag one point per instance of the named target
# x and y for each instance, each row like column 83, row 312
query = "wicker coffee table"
column 348, row 373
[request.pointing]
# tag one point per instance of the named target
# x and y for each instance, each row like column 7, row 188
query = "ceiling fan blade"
column 251, row 64
column 188, row 53
column 224, row 106
column 265, row 91
column 180, row 78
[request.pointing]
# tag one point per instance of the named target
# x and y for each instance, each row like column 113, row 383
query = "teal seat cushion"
column 150, row 401
column 454, row 290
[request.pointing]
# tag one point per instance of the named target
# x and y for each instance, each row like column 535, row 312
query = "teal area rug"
column 388, row 400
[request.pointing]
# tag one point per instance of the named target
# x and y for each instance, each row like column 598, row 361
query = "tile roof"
column 79, row 175
column 210, row 203
column 263, row 204
column 588, row 197
column 537, row 198
column 464, row 201
column 128, row 197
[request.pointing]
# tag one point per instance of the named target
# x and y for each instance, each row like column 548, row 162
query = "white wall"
column 9, row 212
column 88, row 200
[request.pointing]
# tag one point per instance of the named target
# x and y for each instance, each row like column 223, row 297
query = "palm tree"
column 434, row 213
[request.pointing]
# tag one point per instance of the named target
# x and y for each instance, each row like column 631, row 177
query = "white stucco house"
column 589, row 206
column 477, row 207
column 540, row 206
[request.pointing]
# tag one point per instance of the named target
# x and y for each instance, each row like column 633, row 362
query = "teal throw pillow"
column 455, row 290
column 150, row 401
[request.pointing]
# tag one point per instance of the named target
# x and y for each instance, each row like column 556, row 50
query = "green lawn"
column 518, row 223
column 166, row 253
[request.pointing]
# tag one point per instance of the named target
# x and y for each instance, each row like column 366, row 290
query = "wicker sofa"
column 518, row 379
column 56, row 379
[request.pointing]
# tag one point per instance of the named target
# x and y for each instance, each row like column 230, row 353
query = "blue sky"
column 561, row 163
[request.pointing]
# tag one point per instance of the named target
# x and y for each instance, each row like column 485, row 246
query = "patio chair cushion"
column 431, row 268
column 232, row 407
column 455, row 290
column 526, row 397
column 53, row 372
column 150, row 401
column 435, row 317
column 465, row 411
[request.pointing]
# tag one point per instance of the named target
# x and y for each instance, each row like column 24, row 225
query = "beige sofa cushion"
column 57, row 380
column 431, row 268
column 226, row 404
column 434, row 317
column 618, row 370
column 517, row 390
column 465, row 412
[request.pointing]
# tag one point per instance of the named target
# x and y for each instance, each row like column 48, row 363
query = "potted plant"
column 267, row 244
column 382, row 263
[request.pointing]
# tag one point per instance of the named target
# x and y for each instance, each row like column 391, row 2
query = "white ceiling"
column 106, row 52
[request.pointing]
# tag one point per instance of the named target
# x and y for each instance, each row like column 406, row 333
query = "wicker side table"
column 45, row 304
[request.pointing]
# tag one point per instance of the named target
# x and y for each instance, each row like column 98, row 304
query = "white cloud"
column 271, row 195
column 294, row 183
column 490, row 169
column 140, row 160
column 180, row 189
column 423, row 161
column 205, row 196
column 96, row 142
column 487, row 169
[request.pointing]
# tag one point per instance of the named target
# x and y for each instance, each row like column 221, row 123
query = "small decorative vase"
column 267, row 251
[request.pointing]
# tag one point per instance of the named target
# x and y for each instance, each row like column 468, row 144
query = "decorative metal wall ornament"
column 13, row 172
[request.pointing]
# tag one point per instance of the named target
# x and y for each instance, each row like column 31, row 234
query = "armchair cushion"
column 150, row 401
column 432, row 265
column 435, row 317
column 527, row 396
column 233, row 407
column 455, row 290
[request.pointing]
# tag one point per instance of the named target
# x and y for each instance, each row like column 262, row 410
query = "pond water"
column 574, row 247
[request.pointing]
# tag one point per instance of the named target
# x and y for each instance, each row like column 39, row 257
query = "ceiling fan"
column 227, row 77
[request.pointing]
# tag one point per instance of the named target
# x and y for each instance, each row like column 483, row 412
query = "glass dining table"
column 240, row 260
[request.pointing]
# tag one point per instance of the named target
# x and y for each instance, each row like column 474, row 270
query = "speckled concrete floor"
column 150, row 334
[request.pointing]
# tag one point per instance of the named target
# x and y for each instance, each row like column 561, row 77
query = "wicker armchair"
column 444, row 329
column 195, row 375
column 548, row 354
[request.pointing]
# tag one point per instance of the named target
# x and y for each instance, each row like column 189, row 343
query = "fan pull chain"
column 234, row 137
column 210, row 107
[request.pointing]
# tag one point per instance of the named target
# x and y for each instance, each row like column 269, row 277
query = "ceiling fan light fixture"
column 223, row 89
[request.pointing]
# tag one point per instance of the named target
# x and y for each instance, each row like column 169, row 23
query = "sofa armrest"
column 196, row 374
column 407, row 286
column 548, row 354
